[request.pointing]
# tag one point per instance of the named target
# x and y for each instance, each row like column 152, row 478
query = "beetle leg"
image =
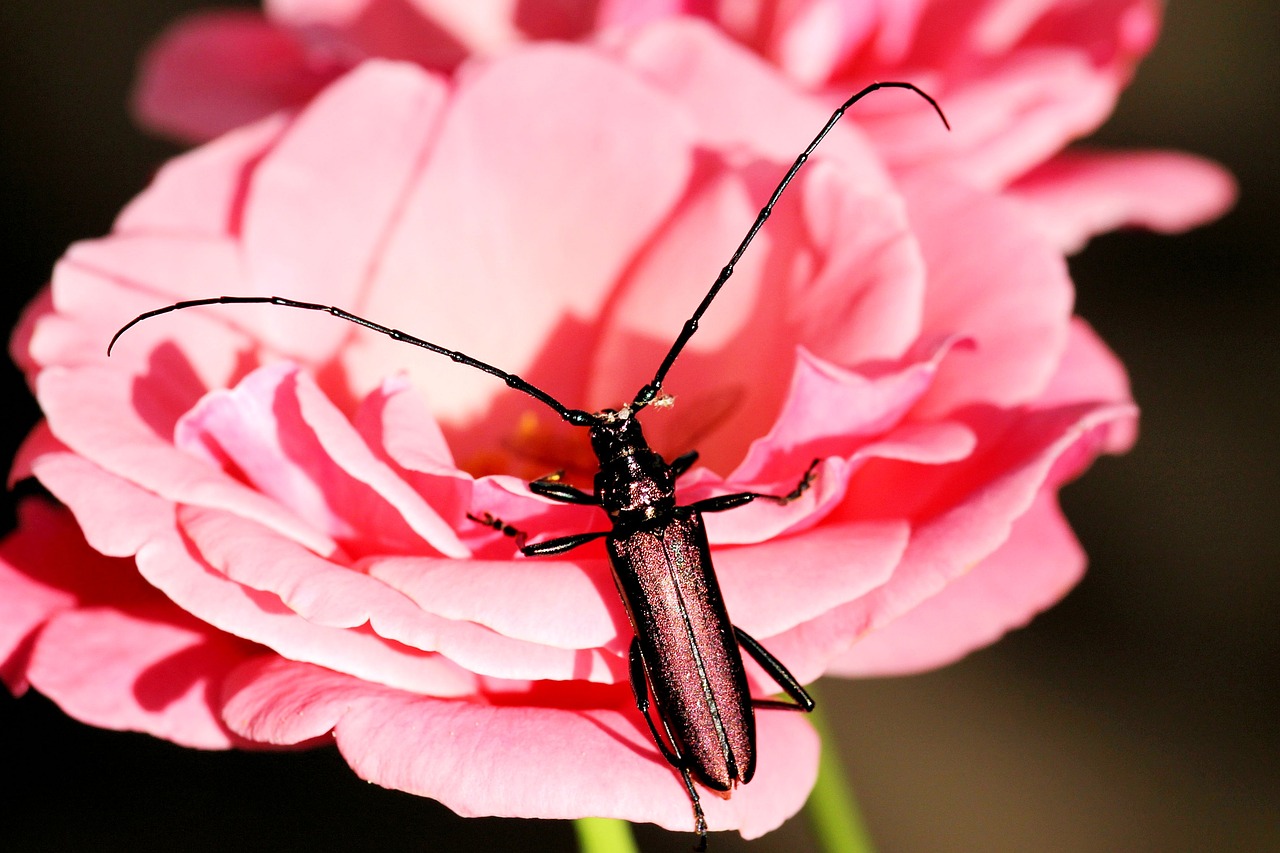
column 550, row 546
column 683, row 463
column 779, row 673
column 551, row 487
column 560, row 544
column 722, row 502
column 640, row 689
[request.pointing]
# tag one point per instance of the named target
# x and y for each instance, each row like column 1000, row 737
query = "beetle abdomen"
column 694, row 665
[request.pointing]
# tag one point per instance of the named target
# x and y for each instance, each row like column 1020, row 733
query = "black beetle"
column 661, row 561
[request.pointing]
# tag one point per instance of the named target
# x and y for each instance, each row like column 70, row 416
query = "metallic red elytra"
column 686, row 654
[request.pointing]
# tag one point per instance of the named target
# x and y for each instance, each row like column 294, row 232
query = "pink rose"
column 1019, row 80
column 266, row 538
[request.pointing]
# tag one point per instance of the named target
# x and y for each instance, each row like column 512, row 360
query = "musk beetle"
column 686, row 654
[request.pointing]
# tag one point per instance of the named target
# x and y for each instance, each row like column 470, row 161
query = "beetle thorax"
column 634, row 483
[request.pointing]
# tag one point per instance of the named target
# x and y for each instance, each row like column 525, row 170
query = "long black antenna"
column 577, row 417
column 647, row 394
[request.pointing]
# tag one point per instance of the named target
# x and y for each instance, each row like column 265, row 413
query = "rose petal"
column 282, row 434
column 261, row 617
column 741, row 101
column 965, row 512
column 215, row 71
column 325, row 198
column 1039, row 562
column 1016, row 312
column 111, row 651
column 1090, row 372
column 35, row 562
column 153, row 670
column 114, row 516
column 776, row 585
column 483, row 197
column 1082, row 193
column 200, row 193
column 539, row 761
column 571, row 605
column 117, row 439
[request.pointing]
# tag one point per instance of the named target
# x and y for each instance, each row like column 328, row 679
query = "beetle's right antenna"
column 577, row 417
column 647, row 394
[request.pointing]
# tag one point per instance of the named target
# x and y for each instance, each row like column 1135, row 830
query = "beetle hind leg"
column 699, row 819
column 779, row 673
column 670, row 753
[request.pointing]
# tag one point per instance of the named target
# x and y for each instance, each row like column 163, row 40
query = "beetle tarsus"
column 489, row 520
column 810, row 474
column 720, row 503
column 699, row 819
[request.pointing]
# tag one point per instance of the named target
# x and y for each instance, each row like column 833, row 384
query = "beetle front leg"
column 551, row 487
column 721, row 503
column 683, row 463
column 545, row 548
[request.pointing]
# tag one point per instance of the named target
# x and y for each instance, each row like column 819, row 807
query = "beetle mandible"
column 705, row 727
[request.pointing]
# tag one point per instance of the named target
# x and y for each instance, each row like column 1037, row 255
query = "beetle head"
column 616, row 433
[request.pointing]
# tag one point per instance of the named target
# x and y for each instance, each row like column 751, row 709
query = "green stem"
column 604, row 835
column 832, row 808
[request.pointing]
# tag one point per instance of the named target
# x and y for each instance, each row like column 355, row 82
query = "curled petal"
column 831, row 411
column 122, row 443
column 281, row 433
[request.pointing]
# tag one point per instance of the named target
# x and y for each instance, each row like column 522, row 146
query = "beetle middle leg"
column 671, row 753
column 720, row 503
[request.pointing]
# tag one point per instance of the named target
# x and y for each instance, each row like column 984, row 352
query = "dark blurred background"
column 1139, row 715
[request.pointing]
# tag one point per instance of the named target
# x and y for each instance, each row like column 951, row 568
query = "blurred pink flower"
column 273, row 503
column 1019, row 80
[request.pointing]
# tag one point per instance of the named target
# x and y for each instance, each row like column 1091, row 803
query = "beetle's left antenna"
column 648, row 393
column 578, row 417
